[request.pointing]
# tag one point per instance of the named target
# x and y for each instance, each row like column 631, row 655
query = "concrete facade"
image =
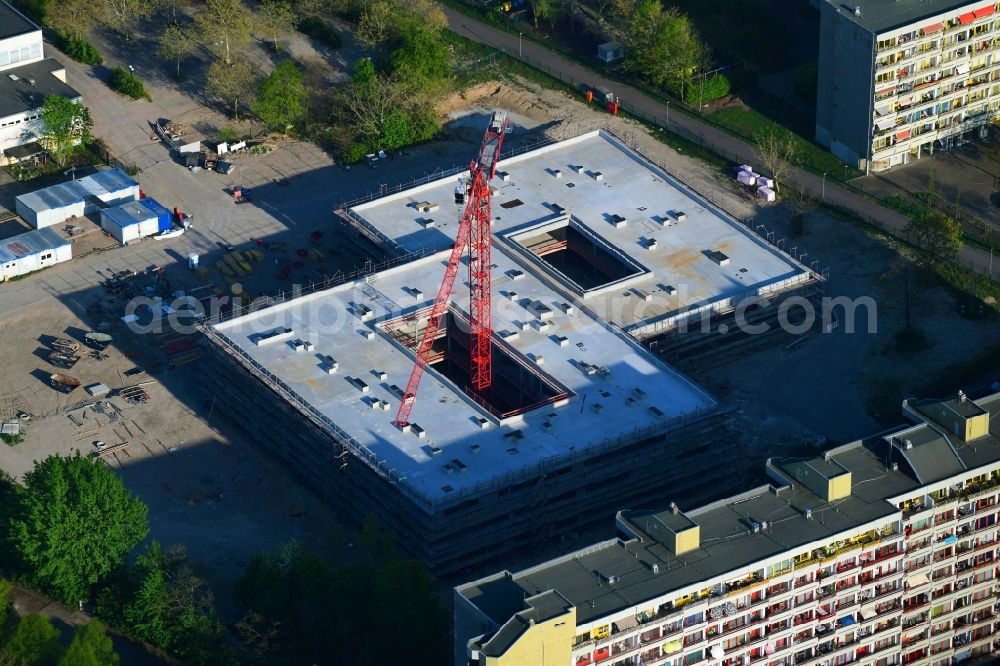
column 894, row 562
column 899, row 79
column 472, row 481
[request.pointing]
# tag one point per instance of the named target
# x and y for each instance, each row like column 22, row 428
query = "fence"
column 107, row 157
column 699, row 132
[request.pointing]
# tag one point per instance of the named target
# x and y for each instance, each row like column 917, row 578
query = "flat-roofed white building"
column 26, row 78
column 75, row 198
column 594, row 247
column 32, row 251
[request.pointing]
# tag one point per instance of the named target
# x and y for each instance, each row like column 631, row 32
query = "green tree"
column 422, row 58
column 663, row 46
column 543, row 9
column 176, row 43
column 75, row 522
column 232, row 82
column 642, row 54
column 276, row 18
column 937, row 235
column 35, row 642
column 170, row 606
column 66, row 124
column 364, row 71
column 91, row 646
column 281, row 101
column 225, row 25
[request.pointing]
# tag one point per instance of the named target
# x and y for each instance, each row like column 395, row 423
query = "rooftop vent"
column 611, row 580
column 13, row 77
column 720, row 258
column 908, row 444
column 655, row 567
column 808, row 513
column 857, row 10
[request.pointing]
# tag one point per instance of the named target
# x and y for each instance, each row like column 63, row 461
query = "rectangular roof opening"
column 519, row 386
column 582, row 259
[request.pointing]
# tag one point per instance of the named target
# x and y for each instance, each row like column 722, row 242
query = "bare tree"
column 907, row 281
column 176, row 42
column 171, row 7
column 375, row 23
column 777, row 151
column 276, row 18
column 225, row 25
column 74, row 17
column 369, row 105
column 233, row 82
column 801, row 203
column 123, row 12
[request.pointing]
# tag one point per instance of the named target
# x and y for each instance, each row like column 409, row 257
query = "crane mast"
column 474, row 233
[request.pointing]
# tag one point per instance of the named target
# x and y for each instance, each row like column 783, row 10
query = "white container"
column 193, row 260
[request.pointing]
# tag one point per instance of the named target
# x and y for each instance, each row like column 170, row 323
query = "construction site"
column 579, row 253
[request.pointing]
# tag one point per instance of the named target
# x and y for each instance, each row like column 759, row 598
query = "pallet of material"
column 179, row 347
column 224, row 269
column 112, row 449
column 183, row 359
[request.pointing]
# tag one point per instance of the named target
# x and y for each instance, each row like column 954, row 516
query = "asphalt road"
column 634, row 99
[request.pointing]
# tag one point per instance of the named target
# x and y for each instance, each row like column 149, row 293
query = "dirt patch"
column 498, row 95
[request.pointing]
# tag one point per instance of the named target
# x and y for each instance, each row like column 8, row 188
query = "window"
column 48, row 255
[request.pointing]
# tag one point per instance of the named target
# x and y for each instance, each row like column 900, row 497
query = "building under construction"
column 594, row 248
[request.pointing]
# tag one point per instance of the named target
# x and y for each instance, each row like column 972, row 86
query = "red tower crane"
column 474, row 232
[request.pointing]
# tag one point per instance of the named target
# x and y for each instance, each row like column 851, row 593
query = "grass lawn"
column 747, row 123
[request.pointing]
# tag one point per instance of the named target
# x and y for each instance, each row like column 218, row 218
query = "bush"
column 124, row 82
column 12, row 439
column 81, row 50
column 228, row 134
column 355, row 153
column 321, row 31
column 715, row 86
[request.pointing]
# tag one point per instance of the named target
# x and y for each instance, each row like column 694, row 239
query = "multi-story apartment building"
column 901, row 78
column 26, row 78
column 883, row 551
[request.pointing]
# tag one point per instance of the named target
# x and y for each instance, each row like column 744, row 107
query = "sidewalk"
column 639, row 104
column 26, row 601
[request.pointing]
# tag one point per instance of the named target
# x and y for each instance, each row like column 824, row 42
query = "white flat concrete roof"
column 630, row 187
column 551, row 434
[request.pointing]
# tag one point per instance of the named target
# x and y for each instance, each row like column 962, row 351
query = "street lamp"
column 131, row 71
column 666, row 125
column 823, row 197
column 519, row 35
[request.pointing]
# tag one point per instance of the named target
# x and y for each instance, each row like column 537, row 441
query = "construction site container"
column 32, row 251
column 76, row 198
column 136, row 219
